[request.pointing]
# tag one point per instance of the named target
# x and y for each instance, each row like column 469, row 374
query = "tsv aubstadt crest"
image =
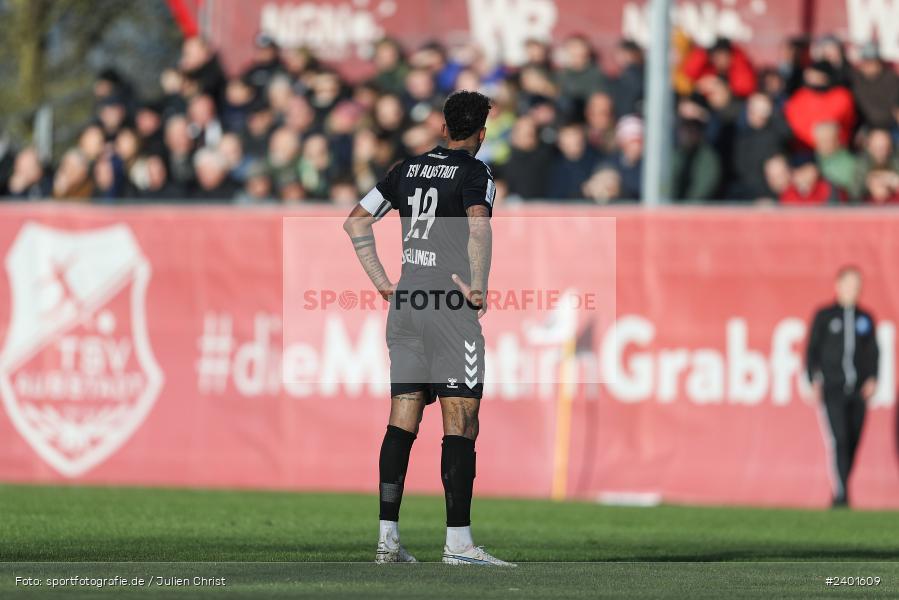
column 77, row 373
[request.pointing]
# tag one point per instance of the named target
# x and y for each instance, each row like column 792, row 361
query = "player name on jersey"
column 424, row 258
column 432, row 171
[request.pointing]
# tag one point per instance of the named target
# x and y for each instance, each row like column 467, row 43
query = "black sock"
column 457, row 470
column 394, row 461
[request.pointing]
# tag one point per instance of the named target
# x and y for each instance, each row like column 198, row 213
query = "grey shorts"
column 436, row 350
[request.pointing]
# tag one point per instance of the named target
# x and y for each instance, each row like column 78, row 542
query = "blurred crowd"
column 819, row 127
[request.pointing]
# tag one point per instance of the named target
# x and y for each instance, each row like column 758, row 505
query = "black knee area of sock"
column 457, row 468
column 393, row 463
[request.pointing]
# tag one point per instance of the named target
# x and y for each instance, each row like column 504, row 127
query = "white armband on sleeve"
column 375, row 203
column 490, row 194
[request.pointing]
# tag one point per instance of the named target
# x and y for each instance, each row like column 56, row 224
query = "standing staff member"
column 841, row 359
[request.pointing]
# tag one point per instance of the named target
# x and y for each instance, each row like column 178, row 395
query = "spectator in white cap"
column 629, row 159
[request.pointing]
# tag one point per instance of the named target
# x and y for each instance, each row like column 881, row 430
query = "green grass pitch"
column 565, row 550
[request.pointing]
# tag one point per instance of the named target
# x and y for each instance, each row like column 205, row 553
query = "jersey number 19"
column 424, row 210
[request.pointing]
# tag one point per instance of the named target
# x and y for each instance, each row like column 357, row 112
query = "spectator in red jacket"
column 807, row 187
column 818, row 101
column 725, row 60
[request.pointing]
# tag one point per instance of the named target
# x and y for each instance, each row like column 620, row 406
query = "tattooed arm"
column 358, row 227
column 480, row 248
column 480, row 251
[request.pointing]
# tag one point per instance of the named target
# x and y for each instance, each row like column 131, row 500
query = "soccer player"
column 445, row 200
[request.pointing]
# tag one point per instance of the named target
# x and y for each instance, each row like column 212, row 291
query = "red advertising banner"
column 145, row 346
column 344, row 31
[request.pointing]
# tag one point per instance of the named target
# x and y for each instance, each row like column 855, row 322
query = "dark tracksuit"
column 842, row 353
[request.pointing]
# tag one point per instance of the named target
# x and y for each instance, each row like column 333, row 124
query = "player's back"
column 432, row 193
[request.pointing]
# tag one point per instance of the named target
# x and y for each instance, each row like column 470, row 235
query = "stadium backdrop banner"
column 142, row 346
column 343, row 32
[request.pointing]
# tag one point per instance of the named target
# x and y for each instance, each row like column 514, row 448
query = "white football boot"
column 475, row 555
column 397, row 554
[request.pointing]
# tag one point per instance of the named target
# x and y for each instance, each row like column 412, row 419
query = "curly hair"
column 465, row 113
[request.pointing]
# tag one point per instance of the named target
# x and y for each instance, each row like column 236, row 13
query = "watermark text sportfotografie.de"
column 437, row 299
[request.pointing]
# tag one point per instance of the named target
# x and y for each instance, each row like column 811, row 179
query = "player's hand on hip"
column 818, row 389
column 387, row 290
column 474, row 297
column 869, row 387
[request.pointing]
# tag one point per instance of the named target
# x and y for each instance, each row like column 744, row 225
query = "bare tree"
column 52, row 50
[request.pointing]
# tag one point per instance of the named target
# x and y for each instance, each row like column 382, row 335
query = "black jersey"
column 842, row 346
column 432, row 193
